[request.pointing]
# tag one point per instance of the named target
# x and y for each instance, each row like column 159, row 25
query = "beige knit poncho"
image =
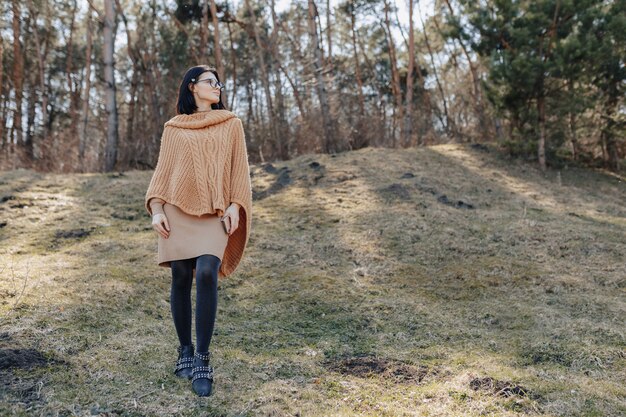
column 202, row 168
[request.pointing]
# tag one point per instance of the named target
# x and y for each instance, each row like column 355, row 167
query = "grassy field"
column 442, row 281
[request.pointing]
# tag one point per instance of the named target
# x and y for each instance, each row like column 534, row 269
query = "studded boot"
column 202, row 378
column 184, row 364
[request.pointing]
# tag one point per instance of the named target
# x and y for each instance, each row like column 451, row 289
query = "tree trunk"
column 359, row 135
column 541, row 121
column 283, row 127
column 82, row 135
column 2, row 118
column 444, row 101
column 541, row 94
column 250, row 98
column 330, row 145
column 329, row 27
column 355, row 54
column 30, row 117
column 395, row 76
column 4, row 144
column 426, row 98
column 135, row 58
column 68, row 73
column 233, row 64
column 41, row 61
column 264, row 80
column 572, row 124
column 296, row 93
column 320, row 39
column 204, row 31
column 109, row 77
column 608, row 134
column 71, row 141
column 16, row 135
column 408, row 128
column 218, row 51
column 130, row 141
column 152, row 72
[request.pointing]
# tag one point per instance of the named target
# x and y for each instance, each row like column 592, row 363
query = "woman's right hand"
column 161, row 225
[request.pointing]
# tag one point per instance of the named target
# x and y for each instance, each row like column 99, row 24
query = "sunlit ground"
column 445, row 281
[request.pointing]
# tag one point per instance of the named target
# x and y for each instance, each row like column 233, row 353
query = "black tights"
column 206, row 299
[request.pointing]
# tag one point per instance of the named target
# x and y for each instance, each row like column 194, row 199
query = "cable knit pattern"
column 203, row 168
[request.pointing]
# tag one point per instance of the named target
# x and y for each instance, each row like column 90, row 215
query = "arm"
column 156, row 206
column 160, row 224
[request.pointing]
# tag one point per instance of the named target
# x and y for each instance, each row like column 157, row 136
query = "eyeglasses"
column 210, row 81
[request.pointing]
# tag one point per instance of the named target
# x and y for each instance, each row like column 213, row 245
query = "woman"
column 200, row 200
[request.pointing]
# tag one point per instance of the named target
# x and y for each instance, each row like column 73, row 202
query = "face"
column 203, row 93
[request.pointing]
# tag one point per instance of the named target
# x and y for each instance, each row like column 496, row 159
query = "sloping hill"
column 435, row 281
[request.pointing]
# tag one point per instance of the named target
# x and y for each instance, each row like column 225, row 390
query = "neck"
column 203, row 105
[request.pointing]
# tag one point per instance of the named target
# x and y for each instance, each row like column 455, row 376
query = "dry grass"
column 474, row 287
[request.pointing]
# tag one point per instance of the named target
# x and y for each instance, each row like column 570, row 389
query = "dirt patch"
column 338, row 177
column 23, row 388
column 501, row 388
column 71, row 234
column 426, row 189
column 127, row 215
column 396, row 192
column 116, row 175
column 443, row 199
column 368, row 366
column 269, row 168
column 282, row 180
column 20, row 204
column 21, row 358
column 479, row 147
column 14, row 356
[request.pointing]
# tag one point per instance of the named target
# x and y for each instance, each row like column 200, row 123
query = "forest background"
column 87, row 85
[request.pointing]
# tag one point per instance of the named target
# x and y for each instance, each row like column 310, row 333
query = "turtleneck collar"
column 200, row 120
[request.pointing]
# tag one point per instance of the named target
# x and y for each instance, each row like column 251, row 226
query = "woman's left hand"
column 231, row 216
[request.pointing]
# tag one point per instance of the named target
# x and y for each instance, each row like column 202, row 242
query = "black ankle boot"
column 184, row 364
column 202, row 380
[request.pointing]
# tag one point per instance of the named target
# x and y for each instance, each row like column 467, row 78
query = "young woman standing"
column 200, row 200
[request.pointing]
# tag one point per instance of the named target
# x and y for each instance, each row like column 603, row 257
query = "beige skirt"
column 191, row 236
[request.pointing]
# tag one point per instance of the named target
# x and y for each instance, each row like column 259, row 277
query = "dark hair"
column 186, row 104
